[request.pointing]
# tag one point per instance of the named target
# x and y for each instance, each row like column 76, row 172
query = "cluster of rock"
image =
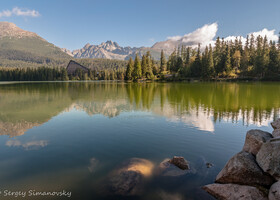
column 253, row 173
column 127, row 180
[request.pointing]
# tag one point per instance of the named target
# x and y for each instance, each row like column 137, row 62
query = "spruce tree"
column 228, row 61
column 144, row 66
column 274, row 60
column 205, row 64
column 211, row 62
column 217, row 55
column 252, row 50
column 278, row 42
column 129, row 69
column 149, row 73
column 236, row 60
column 137, row 73
column 196, row 66
column 244, row 62
column 259, row 59
column 64, row 75
column 162, row 62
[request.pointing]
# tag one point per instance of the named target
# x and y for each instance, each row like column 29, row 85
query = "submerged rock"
column 242, row 169
column 180, row 162
column 274, row 191
column 276, row 124
column 126, row 180
column 254, row 140
column 166, row 168
column 234, row 192
column 209, row 165
column 268, row 157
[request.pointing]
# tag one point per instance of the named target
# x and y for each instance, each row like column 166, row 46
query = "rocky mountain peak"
column 87, row 46
column 109, row 42
column 8, row 29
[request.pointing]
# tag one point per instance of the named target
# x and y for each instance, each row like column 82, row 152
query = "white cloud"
column 270, row 34
column 176, row 38
column 207, row 34
column 203, row 35
column 19, row 12
column 6, row 13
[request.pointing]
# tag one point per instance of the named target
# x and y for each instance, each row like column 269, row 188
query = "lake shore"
column 254, row 172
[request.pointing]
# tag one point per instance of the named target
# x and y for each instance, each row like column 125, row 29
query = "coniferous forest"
column 257, row 59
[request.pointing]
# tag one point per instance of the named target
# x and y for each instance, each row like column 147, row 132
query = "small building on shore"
column 73, row 67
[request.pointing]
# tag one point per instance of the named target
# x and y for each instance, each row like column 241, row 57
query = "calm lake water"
column 78, row 137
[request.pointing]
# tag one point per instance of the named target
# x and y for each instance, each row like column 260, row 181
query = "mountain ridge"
column 15, row 38
column 23, row 48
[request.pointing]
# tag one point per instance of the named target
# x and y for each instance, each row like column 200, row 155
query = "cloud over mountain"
column 270, row 34
column 19, row 12
column 203, row 35
column 207, row 35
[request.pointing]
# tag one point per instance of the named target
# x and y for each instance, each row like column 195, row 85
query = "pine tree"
column 129, row 69
column 244, row 62
column 137, row 73
column 265, row 54
column 274, row 60
column 236, row 60
column 162, row 62
column 228, row 61
column 278, row 42
column 64, row 75
column 149, row 73
column 196, row 66
column 259, row 59
column 204, row 63
column 252, row 50
column 211, row 62
column 217, row 55
column 144, row 66
column 154, row 67
column 188, row 56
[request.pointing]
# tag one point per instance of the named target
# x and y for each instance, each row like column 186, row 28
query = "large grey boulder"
column 242, row 169
column 274, row 191
column 276, row 133
column 234, row 192
column 268, row 157
column 254, row 140
column 276, row 124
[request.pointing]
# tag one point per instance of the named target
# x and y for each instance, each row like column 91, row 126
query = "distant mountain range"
column 17, row 44
column 112, row 50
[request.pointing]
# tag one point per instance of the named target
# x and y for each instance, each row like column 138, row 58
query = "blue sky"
column 72, row 24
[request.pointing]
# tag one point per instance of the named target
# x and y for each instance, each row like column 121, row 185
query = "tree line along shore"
column 257, row 59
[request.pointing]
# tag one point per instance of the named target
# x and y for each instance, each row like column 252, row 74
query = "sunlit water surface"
column 77, row 137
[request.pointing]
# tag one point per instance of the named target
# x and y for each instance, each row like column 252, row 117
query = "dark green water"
column 76, row 136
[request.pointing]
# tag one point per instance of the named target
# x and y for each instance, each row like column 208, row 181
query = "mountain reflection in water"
column 110, row 140
column 24, row 106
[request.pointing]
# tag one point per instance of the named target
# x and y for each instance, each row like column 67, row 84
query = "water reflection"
column 93, row 165
column 91, row 135
column 27, row 145
column 24, row 106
